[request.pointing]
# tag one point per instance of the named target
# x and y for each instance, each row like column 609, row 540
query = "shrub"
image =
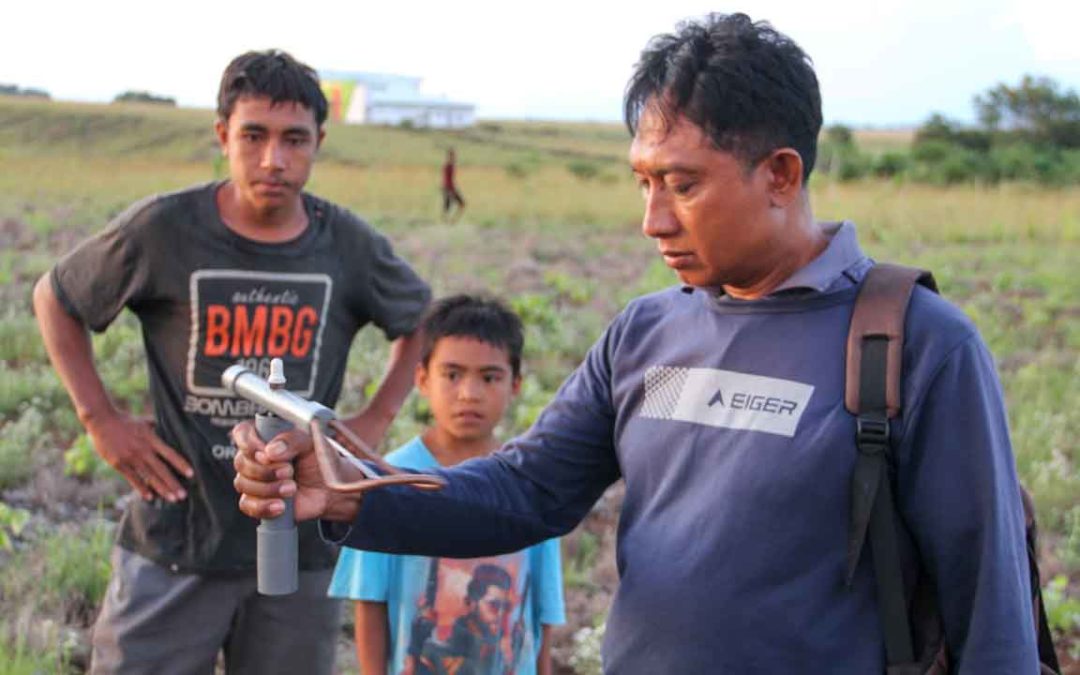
column 81, row 460
column 583, row 170
column 840, row 135
column 891, row 164
column 67, row 570
column 77, row 565
column 585, row 659
column 944, row 164
column 1063, row 614
column 37, row 383
column 12, row 520
column 843, row 161
column 19, row 658
column 144, row 97
column 582, row 551
column 19, row 442
column 516, row 170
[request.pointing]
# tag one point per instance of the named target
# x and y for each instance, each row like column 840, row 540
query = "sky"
column 880, row 64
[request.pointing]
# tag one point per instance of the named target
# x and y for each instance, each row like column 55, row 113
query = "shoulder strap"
column 880, row 310
column 1043, row 637
column 873, row 393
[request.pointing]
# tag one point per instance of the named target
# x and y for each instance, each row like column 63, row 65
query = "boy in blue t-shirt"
column 483, row 616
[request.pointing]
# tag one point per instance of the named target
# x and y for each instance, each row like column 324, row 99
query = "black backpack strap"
column 1044, row 638
column 873, row 394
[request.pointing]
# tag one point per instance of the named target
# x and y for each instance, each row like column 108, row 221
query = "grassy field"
column 552, row 224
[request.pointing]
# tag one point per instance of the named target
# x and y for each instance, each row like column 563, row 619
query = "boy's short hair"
column 483, row 318
column 274, row 74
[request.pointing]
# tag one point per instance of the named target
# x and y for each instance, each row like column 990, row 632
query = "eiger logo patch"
column 724, row 398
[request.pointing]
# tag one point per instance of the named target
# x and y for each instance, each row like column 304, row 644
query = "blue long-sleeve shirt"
column 726, row 421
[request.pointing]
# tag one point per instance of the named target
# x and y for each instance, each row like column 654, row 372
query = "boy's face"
column 270, row 149
column 468, row 383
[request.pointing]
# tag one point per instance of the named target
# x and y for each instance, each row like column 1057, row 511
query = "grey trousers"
column 158, row 622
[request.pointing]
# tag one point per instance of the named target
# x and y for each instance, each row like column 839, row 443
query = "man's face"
column 709, row 214
column 270, row 150
column 493, row 606
column 468, row 383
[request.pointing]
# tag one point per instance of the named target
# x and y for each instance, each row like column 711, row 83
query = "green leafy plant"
column 577, row 291
column 17, row 657
column 583, row 170
column 12, row 522
column 76, row 567
column 19, row 442
column 582, row 554
column 81, row 460
column 1062, row 610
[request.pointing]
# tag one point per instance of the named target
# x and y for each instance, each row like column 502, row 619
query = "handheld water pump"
column 276, row 538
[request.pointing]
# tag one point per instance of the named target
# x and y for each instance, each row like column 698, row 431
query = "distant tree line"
column 1030, row 132
column 132, row 96
column 29, row 92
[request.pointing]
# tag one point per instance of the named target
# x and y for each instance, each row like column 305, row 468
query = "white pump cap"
column 277, row 374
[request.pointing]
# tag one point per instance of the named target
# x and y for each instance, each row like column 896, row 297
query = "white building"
column 377, row 98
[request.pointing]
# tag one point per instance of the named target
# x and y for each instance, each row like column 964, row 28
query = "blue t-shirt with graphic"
column 466, row 616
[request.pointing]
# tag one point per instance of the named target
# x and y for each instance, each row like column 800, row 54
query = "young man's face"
column 270, row 149
column 710, row 216
column 494, row 604
column 468, row 383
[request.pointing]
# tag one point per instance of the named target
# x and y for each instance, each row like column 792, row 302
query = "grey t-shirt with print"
column 208, row 298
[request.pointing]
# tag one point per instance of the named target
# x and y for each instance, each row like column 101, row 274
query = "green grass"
column 20, row 442
column 18, row 658
column 65, row 571
column 553, row 225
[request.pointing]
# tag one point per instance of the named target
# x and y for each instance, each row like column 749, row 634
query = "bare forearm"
column 371, row 637
column 68, row 344
column 543, row 657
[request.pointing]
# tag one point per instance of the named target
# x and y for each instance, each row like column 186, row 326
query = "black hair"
column 481, row 317
column 273, row 74
column 750, row 88
column 484, row 576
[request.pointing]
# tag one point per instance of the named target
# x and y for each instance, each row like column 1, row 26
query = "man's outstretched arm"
column 539, row 486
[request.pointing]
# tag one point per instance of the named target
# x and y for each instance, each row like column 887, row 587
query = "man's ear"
column 221, row 130
column 784, row 167
column 420, row 379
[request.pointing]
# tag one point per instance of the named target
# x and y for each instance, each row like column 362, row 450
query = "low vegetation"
column 557, row 236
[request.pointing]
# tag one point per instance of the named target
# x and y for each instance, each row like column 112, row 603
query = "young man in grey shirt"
column 238, row 271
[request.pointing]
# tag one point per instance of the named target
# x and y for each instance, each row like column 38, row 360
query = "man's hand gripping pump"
column 276, row 555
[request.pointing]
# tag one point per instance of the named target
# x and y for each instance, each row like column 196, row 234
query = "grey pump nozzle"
column 295, row 409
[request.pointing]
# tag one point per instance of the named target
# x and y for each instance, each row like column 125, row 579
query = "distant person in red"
column 449, row 189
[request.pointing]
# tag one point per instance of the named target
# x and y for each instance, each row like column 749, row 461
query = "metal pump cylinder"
column 276, row 538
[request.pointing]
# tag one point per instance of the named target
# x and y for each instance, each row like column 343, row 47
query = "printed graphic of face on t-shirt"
column 248, row 318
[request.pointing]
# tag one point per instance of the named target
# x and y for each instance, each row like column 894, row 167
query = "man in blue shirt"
column 720, row 404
